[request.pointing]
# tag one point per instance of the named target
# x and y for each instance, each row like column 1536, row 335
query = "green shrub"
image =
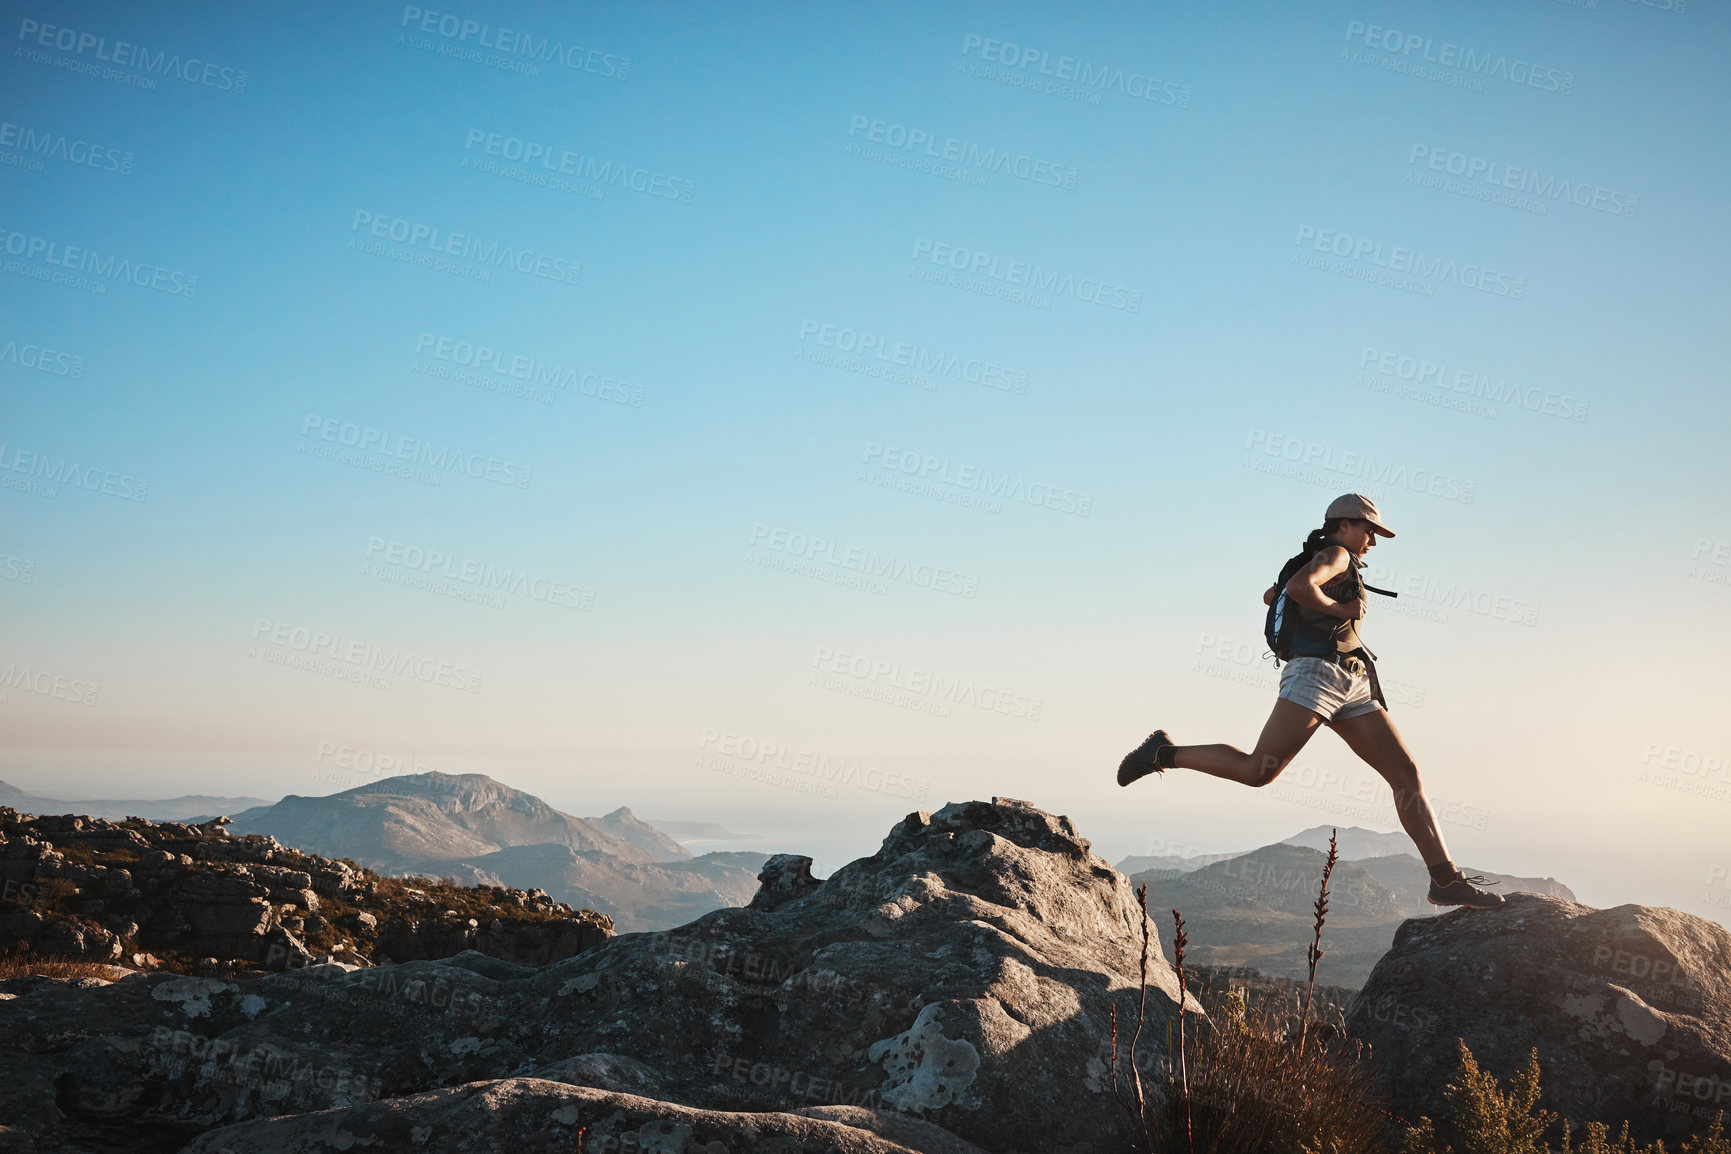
column 1489, row 1120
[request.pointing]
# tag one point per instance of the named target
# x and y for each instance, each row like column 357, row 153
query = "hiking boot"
column 1139, row 762
column 1465, row 891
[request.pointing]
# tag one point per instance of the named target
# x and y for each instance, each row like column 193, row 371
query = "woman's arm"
column 1306, row 585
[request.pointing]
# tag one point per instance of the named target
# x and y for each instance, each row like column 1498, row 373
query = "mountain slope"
column 421, row 819
column 482, row 832
column 627, row 826
column 1256, row 909
column 647, row 895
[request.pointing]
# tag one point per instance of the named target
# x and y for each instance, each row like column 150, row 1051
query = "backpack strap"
column 1363, row 584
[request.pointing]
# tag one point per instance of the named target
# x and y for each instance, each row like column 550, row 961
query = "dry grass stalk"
column 1314, row 953
column 1179, row 941
column 1139, row 1111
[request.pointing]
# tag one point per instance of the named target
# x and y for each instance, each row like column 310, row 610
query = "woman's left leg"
column 1374, row 738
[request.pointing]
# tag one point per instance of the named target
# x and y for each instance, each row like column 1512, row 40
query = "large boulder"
column 1629, row 1008
column 964, row 973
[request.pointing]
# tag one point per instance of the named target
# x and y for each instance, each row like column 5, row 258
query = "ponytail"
column 1320, row 537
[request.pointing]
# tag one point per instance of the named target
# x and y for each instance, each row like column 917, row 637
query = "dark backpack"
column 1281, row 624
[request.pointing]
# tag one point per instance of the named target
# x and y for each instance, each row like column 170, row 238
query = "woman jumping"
column 1330, row 680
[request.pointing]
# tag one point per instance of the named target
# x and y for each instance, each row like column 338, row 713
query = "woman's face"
column 1358, row 537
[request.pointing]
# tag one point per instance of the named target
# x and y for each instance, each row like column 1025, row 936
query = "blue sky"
column 1331, row 293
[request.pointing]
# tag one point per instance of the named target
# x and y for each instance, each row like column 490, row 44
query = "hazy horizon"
column 824, row 414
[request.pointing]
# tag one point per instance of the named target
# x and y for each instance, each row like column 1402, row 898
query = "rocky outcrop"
column 148, row 894
column 953, row 988
column 1629, row 1008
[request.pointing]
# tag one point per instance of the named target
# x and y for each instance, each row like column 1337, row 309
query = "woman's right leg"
column 1288, row 728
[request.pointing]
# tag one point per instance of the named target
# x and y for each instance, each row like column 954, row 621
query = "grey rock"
column 785, row 877
column 613, row 1072
column 909, row 1131
column 1629, row 1008
column 964, row 973
column 532, row 1116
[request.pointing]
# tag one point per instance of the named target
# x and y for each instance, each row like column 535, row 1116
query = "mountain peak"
column 423, row 818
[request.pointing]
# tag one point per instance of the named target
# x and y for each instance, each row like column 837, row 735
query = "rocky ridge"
column 153, row 895
column 942, row 995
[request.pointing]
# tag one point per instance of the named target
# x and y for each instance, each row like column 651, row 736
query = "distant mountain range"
column 699, row 831
column 481, row 832
column 1255, row 909
column 119, row 809
column 1355, row 842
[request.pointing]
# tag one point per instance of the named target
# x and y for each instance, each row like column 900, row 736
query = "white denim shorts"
column 1324, row 688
